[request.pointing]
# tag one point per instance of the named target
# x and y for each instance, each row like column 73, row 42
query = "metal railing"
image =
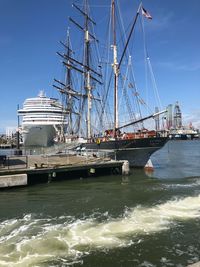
column 65, row 156
column 14, row 162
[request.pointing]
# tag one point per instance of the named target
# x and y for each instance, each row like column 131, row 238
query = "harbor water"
column 144, row 219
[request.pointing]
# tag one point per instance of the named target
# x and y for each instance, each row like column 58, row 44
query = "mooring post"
column 125, row 168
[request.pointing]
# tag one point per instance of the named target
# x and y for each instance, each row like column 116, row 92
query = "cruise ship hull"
column 39, row 135
column 136, row 151
column 42, row 119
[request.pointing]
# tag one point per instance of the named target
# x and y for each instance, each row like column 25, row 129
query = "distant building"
column 169, row 117
column 175, row 127
column 157, row 121
column 10, row 131
column 174, row 117
column 177, row 123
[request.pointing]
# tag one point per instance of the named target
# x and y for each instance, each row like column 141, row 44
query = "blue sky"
column 30, row 31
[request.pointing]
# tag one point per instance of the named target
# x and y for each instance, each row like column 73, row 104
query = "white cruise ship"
column 43, row 120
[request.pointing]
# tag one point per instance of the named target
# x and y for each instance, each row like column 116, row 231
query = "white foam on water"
column 195, row 183
column 31, row 242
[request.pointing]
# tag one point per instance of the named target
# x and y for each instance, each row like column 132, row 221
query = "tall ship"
column 110, row 110
column 43, row 120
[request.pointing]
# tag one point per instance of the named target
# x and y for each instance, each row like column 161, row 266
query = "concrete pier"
column 13, row 180
column 28, row 170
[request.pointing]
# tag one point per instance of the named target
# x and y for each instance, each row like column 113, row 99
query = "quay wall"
column 58, row 168
column 13, row 180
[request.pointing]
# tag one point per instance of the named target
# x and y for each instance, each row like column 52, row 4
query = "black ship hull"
column 136, row 151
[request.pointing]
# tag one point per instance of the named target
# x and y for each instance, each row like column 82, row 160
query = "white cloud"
column 195, row 66
column 189, row 67
column 161, row 22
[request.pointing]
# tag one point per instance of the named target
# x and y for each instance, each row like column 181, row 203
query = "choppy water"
column 139, row 220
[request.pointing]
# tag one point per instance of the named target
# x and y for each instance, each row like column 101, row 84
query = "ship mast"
column 65, row 88
column 87, row 71
column 116, row 66
column 68, row 83
column 82, row 67
column 115, row 69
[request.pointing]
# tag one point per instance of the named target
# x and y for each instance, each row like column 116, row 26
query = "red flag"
column 146, row 14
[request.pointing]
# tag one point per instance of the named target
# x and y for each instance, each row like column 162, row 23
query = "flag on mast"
column 146, row 14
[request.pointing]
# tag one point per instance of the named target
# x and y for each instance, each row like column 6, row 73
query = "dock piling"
column 125, row 168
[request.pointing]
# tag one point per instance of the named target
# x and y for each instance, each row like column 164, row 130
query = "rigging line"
column 132, row 68
column 94, row 34
column 125, row 95
column 69, row 100
column 129, row 36
column 148, row 64
column 136, row 92
column 106, row 98
column 123, row 33
column 80, row 109
column 97, row 121
column 145, row 60
column 109, row 71
column 154, row 82
column 108, row 81
column 129, row 114
column 123, row 27
column 63, row 101
column 129, row 70
column 119, row 21
column 132, row 71
column 123, row 86
column 96, row 46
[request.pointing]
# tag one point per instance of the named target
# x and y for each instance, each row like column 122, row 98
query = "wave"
column 31, row 241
